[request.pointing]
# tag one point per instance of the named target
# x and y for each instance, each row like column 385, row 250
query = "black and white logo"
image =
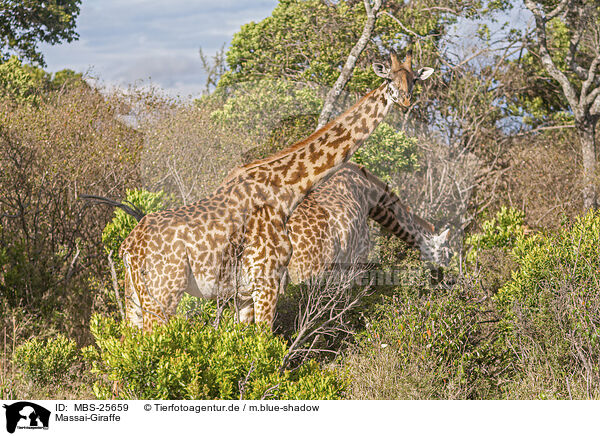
column 26, row 415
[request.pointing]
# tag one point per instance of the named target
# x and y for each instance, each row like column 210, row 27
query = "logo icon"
column 26, row 415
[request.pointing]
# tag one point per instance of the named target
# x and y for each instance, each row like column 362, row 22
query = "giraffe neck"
column 386, row 209
column 304, row 165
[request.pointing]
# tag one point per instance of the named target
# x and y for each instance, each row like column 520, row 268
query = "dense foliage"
column 51, row 260
column 25, row 83
column 47, row 362
column 550, row 308
column 503, row 231
column 433, row 345
column 191, row 359
column 26, row 23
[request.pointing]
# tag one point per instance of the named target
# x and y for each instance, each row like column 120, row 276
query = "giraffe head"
column 401, row 78
column 436, row 248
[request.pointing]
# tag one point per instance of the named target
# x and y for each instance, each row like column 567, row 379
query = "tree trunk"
column 587, row 137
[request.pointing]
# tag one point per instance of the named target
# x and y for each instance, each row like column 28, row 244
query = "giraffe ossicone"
column 235, row 243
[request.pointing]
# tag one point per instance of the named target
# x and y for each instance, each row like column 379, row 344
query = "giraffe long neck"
column 386, row 209
column 304, row 165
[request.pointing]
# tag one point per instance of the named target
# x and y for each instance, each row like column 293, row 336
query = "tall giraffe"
column 330, row 225
column 236, row 240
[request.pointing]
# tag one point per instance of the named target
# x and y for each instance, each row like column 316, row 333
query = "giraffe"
column 330, row 225
column 235, row 241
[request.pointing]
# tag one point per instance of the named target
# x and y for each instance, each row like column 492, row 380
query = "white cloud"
column 123, row 41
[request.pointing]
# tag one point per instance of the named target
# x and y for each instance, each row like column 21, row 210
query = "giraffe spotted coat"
column 331, row 225
column 236, row 241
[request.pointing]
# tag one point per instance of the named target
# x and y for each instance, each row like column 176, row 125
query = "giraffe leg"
column 266, row 293
column 265, row 261
column 151, row 295
column 246, row 311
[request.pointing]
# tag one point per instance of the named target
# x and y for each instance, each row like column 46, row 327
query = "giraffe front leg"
column 245, row 310
column 265, row 295
column 264, row 263
column 267, row 282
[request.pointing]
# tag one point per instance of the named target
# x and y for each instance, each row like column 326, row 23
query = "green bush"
column 191, row 359
column 16, row 82
column 388, row 152
column 503, row 231
column 191, row 307
column 24, row 83
column 549, row 262
column 46, row 361
column 550, row 310
column 489, row 251
column 260, row 107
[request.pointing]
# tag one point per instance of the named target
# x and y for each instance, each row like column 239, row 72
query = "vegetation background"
column 500, row 145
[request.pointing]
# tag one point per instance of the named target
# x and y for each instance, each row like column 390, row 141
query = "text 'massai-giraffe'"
column 329, row 229
column 235, row 240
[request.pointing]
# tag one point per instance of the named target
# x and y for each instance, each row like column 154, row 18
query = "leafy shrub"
column 25, row 83
column 489, row 251
column 190, row 359
column 46, row 361
column 190, row 307
column 16, row 82
column 550, row 309
column 288, row 131
column 388, row 152
column 503, row 231
column 259, row 107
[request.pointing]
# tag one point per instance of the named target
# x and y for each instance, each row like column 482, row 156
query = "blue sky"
column 123, row 42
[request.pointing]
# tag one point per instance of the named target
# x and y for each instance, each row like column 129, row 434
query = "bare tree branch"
column 585, row 98
column 406, row 29
column 570, row 60
column 595, row 108
column 540, row 25
column 348, row 68
column 325, row 302
column 243, row 383
column 560, row 8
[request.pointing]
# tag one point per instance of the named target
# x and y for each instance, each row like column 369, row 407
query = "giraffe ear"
column 381, row 70
column 423, row 73
column 408, row 60
column 444, row 235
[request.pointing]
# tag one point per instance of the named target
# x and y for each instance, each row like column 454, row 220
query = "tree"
column 310, row 40
column 568, row 47
column 25, row 23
